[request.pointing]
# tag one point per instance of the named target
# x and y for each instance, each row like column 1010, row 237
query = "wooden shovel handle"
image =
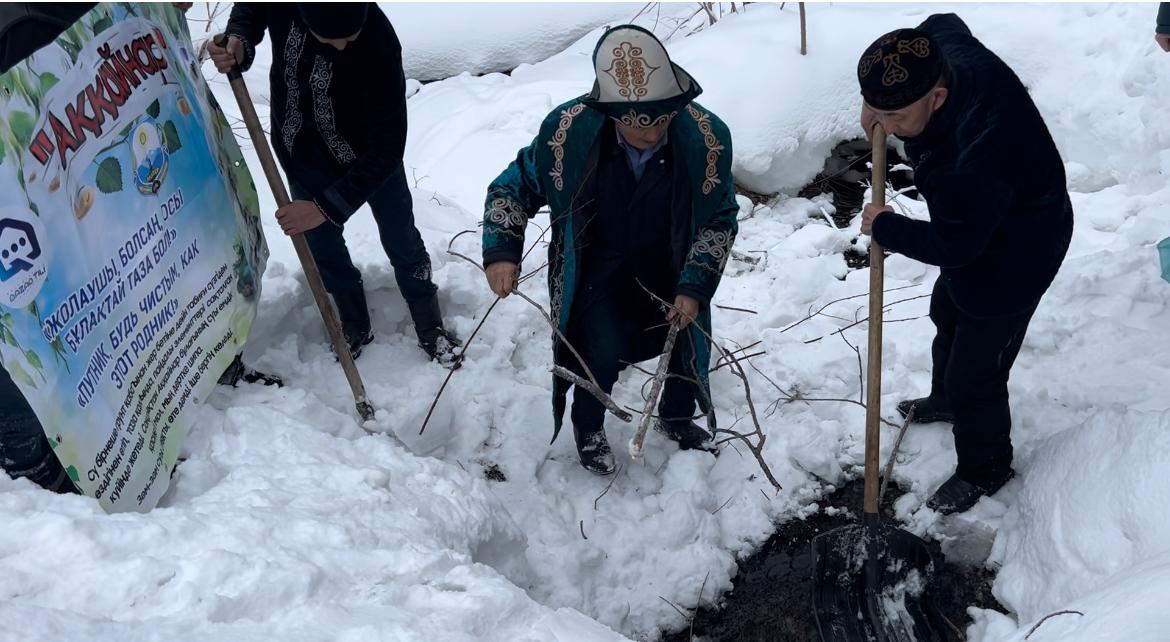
column 300, row 243
column 873, row 400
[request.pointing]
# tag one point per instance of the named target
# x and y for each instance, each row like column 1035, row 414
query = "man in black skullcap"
column 1000, row 224
column 1162, row 31
column 339, row 130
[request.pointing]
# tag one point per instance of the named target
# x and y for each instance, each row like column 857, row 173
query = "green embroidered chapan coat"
column 553, row 170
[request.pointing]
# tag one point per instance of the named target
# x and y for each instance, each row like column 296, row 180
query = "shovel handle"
column 873, row 402
column 308, row 264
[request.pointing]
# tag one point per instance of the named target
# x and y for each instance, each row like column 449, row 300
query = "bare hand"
column 502, row 277
column 685, row 309
column 869, row 213
column 299, row 217
column 1163, row 40
column 226, row 57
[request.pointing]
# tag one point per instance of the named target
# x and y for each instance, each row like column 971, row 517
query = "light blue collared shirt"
column 637, row 157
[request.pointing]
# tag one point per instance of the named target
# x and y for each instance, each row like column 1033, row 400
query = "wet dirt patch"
column 771, row 597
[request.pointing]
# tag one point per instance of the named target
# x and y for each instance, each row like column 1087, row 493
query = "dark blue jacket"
column 1000, row 216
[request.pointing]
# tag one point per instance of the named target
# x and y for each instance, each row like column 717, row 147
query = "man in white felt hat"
column 637, row 178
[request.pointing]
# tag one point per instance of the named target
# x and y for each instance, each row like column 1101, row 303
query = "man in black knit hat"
column 339, row 130
column 1000, row 224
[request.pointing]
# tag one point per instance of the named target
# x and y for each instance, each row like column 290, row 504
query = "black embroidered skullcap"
column 334, row 19
column 899, row 68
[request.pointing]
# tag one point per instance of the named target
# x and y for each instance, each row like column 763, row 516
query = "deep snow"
column 288, row 520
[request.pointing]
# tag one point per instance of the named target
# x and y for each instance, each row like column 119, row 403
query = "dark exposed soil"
column 771, row 598
column 846, row 175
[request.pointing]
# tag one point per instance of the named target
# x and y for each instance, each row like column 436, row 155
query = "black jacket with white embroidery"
column 338, row 117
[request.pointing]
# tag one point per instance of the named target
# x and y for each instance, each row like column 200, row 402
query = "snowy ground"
column 288, row 520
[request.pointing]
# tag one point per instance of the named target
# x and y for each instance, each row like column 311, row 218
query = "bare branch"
column 655, row 391
column 1049, row 616
column 736, row 369
column 608, row 486
column 728, row 307
column 889, row 472
column 593, row 389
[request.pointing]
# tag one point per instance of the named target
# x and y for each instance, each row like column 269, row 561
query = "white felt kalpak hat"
column 636, row 81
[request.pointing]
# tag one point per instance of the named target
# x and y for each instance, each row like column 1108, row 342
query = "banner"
column 130, row 245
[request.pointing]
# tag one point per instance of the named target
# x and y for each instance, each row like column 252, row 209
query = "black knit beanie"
column 334, row 19
column 899, row 68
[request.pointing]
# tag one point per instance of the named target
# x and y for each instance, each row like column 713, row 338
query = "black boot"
column 355, row 319
column 926, row 410
column 48, row 473
column 687, row 434
column 440, row 344
column 594, row 451
column 237, row 372
column 958, row 495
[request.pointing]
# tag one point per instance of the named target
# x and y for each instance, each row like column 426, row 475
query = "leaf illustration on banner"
column 154, row 109
column 59, row 353
column 48, row 80
column 71, row 48
column 19, row 375
column 171, row 137
column 7, row 337
column 72, row 472
column 21, row 126
column 33, row 360
column 102, row 25
column 109, row 175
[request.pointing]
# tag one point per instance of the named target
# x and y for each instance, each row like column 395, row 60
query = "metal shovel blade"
column 895, row 608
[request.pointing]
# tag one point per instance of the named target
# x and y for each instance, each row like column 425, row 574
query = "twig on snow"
column 1051, row 615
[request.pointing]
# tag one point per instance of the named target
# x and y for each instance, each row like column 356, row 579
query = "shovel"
column 869, row 580
column 364, row 408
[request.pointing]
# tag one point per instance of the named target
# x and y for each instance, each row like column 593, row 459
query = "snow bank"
column 490, row 37
column 1088, row 532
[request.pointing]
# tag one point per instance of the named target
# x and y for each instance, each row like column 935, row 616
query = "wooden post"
column 803, row 32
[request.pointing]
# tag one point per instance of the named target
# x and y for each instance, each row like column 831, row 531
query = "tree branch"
column 655, row 391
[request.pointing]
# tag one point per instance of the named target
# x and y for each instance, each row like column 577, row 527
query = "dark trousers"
column 24, row 449
column 973, row 358
column 394, row 213
column 610, row 330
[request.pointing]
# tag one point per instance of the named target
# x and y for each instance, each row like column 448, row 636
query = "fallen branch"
column 792, row 397
column 728, row 307
column 841, row 300
column 593, row 389
column 608, row 486
column 747, row 357
column 889, row 472
column 757, row 449
column 655, row 391
column 451, row 373
column 1049, row 616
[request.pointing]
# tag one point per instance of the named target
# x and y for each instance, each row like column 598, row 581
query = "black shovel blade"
column 897, row 609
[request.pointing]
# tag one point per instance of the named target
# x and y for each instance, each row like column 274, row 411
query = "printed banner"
column 130, row 245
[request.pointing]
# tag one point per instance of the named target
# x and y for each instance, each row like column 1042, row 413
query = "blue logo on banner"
column 18, row 247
